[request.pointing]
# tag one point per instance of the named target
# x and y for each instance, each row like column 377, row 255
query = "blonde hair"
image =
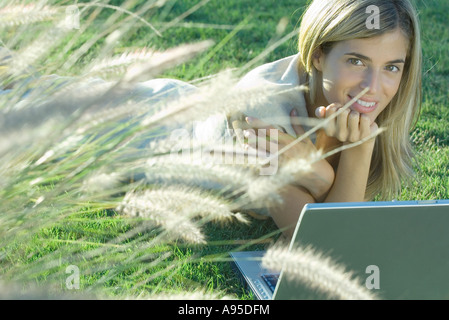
column 325, row 23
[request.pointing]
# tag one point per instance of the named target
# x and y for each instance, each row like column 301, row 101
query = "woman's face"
column 353, row 65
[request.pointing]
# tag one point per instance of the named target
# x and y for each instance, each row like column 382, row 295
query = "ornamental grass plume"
column 118, row 65
column 316, row 271
column 21, row 14
column 161, row 213
column 61, row 140
column 266, row 189
column 223, row 178
column 181, row 200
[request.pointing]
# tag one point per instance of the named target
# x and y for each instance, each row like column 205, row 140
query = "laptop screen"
column 406, row 242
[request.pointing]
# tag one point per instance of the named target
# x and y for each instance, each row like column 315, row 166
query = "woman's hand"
column 352, row 165
column 349, row 126
column 321, row 175
column 272, row 140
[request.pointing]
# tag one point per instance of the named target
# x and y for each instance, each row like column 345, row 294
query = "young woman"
column 341, row 53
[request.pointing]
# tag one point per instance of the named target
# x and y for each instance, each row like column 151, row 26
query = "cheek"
column 391, row 87
column 337, row 85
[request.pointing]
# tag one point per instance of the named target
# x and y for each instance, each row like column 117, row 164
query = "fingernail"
column 318, row 112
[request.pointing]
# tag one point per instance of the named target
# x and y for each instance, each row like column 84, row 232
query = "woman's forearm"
column 349, row 186
column 286, row 215
column 352, row 174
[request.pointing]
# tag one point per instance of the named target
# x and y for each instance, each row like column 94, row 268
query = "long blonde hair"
column 326, row 22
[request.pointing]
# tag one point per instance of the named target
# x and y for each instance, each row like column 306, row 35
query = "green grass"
column 179, row 267
column 127, row 267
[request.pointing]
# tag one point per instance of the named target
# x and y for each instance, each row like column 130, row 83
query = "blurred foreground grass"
column 123, row 257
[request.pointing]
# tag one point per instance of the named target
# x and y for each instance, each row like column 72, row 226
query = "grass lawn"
column 116, row 255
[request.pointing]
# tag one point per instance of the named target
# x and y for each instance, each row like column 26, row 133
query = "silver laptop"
column 407, row 241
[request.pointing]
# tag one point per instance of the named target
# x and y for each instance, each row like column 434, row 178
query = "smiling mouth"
column 365, row 104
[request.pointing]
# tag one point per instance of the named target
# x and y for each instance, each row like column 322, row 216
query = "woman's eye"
column 392, row 68
column 356, row 62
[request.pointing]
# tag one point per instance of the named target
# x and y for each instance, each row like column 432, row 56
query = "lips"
column 363, row 106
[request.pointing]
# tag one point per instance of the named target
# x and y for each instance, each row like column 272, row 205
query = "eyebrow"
column 361, row 56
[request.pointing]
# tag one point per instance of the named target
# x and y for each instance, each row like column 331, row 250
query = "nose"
column 371, row 80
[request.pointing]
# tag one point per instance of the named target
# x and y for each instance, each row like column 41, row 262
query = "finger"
column 260, row 143
column 250, row 139
column 331, row 125
column 260, row 126
column 237, row 116
column 281, row 138
column 238, row 125
column 264, row 139
column 257, row 123
column 320, row 112
column 365, row 124
column 342, row 126
column 354, row 126
column 278, row 137
column 265, row 146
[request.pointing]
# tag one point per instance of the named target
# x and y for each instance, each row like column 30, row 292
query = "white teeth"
column 366, row 104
